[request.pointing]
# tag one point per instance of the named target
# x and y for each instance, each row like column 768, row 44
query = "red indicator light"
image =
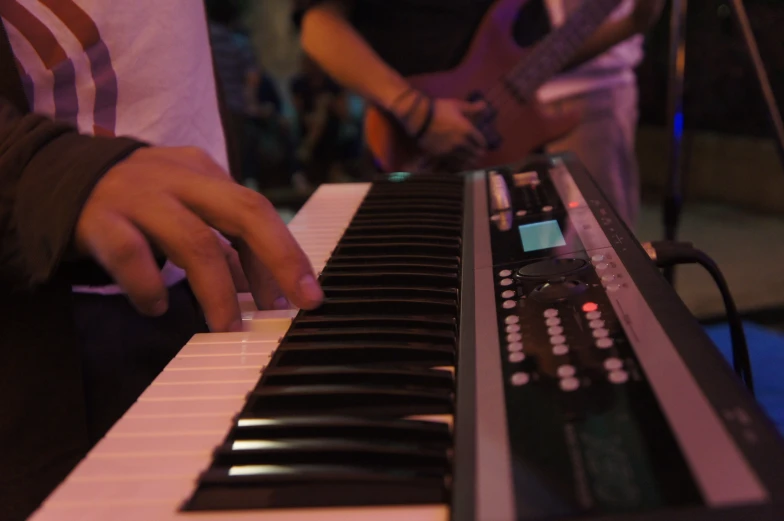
column 590, row 306
column 573, row 204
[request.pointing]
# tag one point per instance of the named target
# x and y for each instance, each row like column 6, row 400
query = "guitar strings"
column 595, row 12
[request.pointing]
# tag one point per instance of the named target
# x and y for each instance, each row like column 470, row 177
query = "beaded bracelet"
column 427, row 122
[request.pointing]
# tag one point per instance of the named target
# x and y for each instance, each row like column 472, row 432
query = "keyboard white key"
column 273, row 323
column 160, row 510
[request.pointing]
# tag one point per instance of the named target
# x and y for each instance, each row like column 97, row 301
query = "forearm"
column 329, row 38
column 47, row 171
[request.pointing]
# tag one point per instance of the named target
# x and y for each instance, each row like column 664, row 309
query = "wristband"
column 400, row 97
column 427, row 122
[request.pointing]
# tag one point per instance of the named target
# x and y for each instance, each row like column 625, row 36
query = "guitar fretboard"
column 555, row 51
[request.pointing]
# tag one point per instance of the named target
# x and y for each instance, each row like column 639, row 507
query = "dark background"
column 721, row 90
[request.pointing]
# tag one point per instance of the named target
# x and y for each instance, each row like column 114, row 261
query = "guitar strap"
column 10, row 82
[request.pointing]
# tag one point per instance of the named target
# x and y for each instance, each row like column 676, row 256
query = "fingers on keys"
column 263, row 286
column 172, row 198
column 250, row 219
column 190, row 244
column 124, row 252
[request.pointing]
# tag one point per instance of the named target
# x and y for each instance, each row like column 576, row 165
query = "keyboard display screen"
column 541, row 236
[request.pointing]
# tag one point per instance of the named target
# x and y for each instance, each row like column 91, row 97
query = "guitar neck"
column 555, row 51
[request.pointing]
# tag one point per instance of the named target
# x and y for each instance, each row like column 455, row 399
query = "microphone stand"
column 774, row 114
column 673, row 199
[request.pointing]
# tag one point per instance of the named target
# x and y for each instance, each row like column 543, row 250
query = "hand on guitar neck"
column 443, row 129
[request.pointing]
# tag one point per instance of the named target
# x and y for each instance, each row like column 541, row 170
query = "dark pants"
column 123, row 352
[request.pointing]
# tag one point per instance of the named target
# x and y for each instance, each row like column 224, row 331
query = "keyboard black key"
column 402, row 378
column 431, row 322
column 347, row 399
column 408, row 218
column 398, row 239
column 364, row 353
column 370, row 334
column 397, row 248
column 332, row 451
column 275, row 486
column 435, row 261
column 389, row 278
column 454, row 195
column 411, row 208
column 421, row 183
column 392, row 306
column 345, row 427
column 404, row 229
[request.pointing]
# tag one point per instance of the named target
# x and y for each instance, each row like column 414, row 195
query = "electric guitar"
column 503, row 74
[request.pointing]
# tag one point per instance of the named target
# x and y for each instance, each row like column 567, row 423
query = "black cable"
column 667, row 254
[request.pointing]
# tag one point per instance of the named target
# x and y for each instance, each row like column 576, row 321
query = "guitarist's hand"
column 452, row 137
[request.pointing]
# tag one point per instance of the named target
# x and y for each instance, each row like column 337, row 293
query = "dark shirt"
column 234, row 59
column 421, row 36
column 268, row 93
column 306, row 92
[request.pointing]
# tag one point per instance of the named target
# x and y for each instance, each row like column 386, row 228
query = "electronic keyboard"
column 493, row 346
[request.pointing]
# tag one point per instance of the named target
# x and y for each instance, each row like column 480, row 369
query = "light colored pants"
column 604, row 143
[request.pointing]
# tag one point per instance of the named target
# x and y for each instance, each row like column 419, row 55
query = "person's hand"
column 171, row 198
column 452, row 136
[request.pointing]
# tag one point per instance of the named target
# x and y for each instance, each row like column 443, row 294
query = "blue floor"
column 766, row 349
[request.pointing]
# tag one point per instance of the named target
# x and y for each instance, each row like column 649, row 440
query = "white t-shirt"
column 615, row 66
column 136, row 68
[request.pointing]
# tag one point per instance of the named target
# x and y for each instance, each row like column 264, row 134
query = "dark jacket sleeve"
column 47, row 171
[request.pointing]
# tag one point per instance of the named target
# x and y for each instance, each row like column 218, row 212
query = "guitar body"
column 492, row 54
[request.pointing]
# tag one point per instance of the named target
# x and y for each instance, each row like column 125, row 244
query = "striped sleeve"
column 47, row 171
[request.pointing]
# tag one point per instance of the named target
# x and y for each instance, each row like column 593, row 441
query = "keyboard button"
column 519, row 379
column 570, row 384
column 604, row 343
column 618, row 377
column 566, row 371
